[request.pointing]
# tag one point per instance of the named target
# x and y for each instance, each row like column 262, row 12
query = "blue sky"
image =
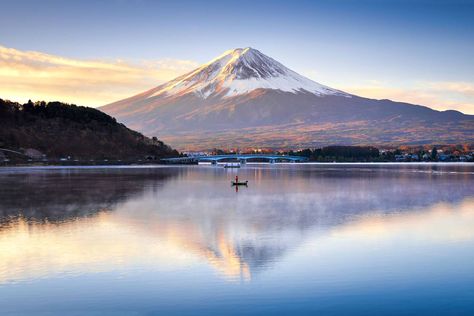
column 418, row 51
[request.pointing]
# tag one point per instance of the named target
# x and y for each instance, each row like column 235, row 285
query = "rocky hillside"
column 59, row 130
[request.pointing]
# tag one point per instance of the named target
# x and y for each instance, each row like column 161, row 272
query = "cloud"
column 462, row 88
column 444, row 95
column 38, row 76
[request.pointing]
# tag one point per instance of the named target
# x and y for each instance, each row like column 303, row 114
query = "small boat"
column 239, row 183
column 232, row 165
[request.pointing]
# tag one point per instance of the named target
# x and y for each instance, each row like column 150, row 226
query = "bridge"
column 15, row 152
column 242, row 158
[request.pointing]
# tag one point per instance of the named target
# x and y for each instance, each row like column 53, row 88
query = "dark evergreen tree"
column 434, row 153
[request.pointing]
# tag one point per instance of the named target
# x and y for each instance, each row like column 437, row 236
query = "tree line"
column 58, row 130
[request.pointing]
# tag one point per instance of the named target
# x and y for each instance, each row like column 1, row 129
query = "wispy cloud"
column 38, row 76
column 461, row 88
column 442, row 95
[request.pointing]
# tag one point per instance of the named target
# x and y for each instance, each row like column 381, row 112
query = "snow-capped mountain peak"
column 217, row 105
column 240, row 71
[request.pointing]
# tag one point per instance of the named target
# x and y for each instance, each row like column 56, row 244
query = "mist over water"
column 300, row 239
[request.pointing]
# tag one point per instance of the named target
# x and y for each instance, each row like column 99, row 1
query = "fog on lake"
column 300, row 238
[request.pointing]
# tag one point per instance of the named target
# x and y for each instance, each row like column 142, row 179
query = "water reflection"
column 63, row 222
column 63, row 194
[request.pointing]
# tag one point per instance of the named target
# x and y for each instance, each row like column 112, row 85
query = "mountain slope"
column 245, row 98
column 60, row 130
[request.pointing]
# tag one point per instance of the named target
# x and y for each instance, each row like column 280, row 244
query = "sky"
column 97, row 52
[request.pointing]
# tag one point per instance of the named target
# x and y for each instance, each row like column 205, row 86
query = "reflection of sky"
column 184, row 238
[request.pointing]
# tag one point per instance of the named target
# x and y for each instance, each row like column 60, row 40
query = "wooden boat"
column 239, row 183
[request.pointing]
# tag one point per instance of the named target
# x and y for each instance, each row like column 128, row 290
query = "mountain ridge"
column 60, row 130
column 247, row 91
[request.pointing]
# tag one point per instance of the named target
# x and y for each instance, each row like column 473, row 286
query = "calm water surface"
column 300, row 240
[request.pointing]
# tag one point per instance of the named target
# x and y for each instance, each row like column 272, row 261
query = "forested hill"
column 58, row 130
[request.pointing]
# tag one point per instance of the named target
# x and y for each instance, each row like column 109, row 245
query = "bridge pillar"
column 243, row 161
column 272, row 161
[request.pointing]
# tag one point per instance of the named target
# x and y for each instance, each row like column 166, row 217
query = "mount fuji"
column 246, row 99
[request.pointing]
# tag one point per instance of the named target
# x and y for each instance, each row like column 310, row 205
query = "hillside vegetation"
column 58, row 130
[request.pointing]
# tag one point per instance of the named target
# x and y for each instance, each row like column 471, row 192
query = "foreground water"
column 300, row 239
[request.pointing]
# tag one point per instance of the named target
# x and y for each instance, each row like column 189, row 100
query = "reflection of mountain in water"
column 239, row 234
column 272, row 216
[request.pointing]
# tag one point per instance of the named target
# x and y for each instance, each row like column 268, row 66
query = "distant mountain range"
column 244, row 99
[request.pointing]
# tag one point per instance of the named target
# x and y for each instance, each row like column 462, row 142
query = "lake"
column 301, row 239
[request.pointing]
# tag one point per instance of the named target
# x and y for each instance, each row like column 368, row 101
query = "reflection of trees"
column 238, row 234
column 71, row 193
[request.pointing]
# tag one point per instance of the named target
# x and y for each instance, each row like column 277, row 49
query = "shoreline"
column 158, row 165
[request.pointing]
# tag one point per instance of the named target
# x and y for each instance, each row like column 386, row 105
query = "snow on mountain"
column 238, row 72
column 244, row 98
